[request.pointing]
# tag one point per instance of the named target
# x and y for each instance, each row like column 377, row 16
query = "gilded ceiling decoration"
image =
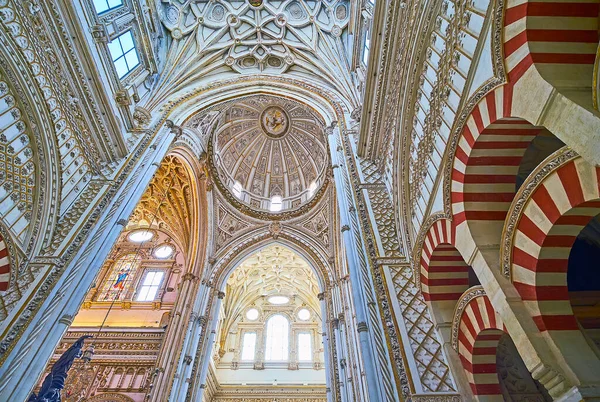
column 266, row 146
column 168, row 201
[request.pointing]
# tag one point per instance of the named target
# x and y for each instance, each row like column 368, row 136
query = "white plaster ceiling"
column 271, row 36
column 274, row 270
column 212, row 39
column 271, row 146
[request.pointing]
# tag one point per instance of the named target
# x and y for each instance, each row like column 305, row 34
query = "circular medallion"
column 255, row 3
column 274, row 121
column 173, row 15
column 177, row 34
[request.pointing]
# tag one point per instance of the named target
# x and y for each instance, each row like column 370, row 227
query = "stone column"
column 330, row 370
column 374, row 384
column 173, row 341
column 197, row 384
column 341, row 360
column 197, row 325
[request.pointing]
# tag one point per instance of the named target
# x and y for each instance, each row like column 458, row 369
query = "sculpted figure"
column 55, row 380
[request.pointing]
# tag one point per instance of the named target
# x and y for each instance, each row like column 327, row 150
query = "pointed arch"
column 249, row 243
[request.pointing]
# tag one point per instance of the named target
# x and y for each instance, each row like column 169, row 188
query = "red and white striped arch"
column 561, row 205
column 4, row 265
column 444, row 273
column 559, row 37
column 486, row 162
column 479, row 331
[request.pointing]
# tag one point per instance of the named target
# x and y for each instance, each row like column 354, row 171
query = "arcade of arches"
column 299, row 200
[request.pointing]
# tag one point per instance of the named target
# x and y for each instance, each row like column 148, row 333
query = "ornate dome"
column 270, row 152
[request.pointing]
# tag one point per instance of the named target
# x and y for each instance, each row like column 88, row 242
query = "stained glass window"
column 119, row 281
column 278, row 328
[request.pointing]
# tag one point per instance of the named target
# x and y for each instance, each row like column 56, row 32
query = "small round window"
column 163, row 252
column 252, row 314
column 304, row 314
column 140, row 236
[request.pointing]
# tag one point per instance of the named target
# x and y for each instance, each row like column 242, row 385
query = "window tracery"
column 445, row 80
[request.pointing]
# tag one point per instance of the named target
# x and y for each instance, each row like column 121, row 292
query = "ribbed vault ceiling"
column 274, row 270
column 168, row 201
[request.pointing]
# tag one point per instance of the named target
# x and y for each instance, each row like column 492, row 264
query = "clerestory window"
column 276, row 203
column 104, row 6
column 278, row 328
column 304, row 347
column 366, row 48
column 150, row 285
column 249, row 346
column 124, row 53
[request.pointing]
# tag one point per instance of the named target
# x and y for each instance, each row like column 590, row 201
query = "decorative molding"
column 418, row 247
column 470, row 294
column 436, row 398
column 499, row 79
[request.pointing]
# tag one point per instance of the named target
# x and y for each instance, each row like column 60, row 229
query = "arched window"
column 278, row 328
column 123, row 271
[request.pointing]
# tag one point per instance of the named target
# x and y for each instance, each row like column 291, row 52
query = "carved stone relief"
column 255, row 38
